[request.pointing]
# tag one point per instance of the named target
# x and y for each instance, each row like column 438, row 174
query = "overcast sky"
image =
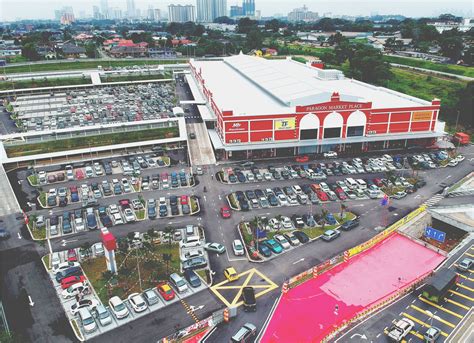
column 44, row 9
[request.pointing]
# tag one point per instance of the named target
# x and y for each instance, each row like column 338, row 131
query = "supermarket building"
column 256, row 107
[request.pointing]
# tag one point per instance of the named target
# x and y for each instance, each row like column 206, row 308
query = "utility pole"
column 457, row 120
column 138, row 267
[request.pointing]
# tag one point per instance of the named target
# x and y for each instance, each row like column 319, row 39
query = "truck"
column 438, row 285
column 461, row 138
column 399, row 329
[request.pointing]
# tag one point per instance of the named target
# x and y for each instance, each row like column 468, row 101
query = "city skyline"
column 13, row 9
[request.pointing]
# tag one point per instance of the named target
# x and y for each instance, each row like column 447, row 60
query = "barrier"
column 284, row 288
column 226, row 315
column 346, row 256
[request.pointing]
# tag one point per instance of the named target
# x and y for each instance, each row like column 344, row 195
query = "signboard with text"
column 422, row 116
column 437, row 235
column 236, row 126
column 334, row 106
column 285, row 124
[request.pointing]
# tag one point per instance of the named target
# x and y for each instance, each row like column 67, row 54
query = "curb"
column 230, row 204
column 198, row 207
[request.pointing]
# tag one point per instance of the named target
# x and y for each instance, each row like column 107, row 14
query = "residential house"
column 72, row 51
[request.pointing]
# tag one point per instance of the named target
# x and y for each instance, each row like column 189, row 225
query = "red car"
column 71, row 255
column 73, row 189
column 303, row 158
column 340, row 193
column 124, row 203
column 79, row 174
column 165, row 291
column 69, row 281
column 322, row 196
column 225, row 212
column 184, row 200
column 378, row 182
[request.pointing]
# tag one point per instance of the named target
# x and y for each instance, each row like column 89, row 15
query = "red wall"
column 261, row 125
column 286, row 135
column 420, row 126
column 405, row 116
column 378, row 128
column 259, row 136
column 399, row 127
column 379, row 118
column 234, row 136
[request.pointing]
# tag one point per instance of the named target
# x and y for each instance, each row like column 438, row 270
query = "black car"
column 349, row 225
column 241, row 177
column 232, row 178
column 306, row 189
column 248, row 296
column 259, row 193
column 302, row 237
column 173, row 200
column 72, row 271
column 94, row 186
column 250, row 195
column 174, row 210
column 285, row 175
column 4, row 234
column 244, row 205
column 106, row 221
column 52, row 200
column 53, row 220
column 62, row 201
column 277, row 191
column 192, row 278
column 271, row 169
column 240, row 195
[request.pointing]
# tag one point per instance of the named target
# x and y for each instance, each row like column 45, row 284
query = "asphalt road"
column 27, row 273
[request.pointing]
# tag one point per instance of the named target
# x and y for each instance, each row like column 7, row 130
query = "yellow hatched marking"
column 440, row 307
column 461, row 295
column 435, row 317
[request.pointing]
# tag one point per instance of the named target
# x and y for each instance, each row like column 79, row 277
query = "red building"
column 266, row 107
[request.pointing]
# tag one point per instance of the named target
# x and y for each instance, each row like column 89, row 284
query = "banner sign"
column 437, row 235
column 285, row 124
column 422, row 116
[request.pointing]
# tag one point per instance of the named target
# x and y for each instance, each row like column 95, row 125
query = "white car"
column 330, row 154
column 90, row 304
column 274, row 224
column 129, row 215
column 98, row 169
column 292, row 199
column 282, row 199
column 460, row 158
column 99, row 249
column 52, row 192
column 137, row 302
column 89, row 171
column 77, row 288
column 69, row 175
column 286, row 223
column 283, row 241
column 238, row 247
column 97, row 194
column 65, row 265
column 117, row 218
column 79, row 222
column 453, row 163
column 267, row 176
column 118, row 307
column 351, row 170
column 250, row 177
column 324, row 187
column 113, row 209
column 297, row 189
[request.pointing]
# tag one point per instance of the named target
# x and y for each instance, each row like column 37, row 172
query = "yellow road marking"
column 470, row 255
column 440, row 307
column 469, row 270
column 461, row 295
column 414, row 333
column 465, row 277
column 458, row 304
column 435, row 317
column 416, row 320
column 270, row 286
column 465, row 287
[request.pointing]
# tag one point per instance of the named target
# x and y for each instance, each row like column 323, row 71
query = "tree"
column 29, row 51
column 245, row 25
column 343, row 209
column 451, row 47
column 324, row 213
column 337, row 38
column 224, row 20
column 91, row 51
column 254, row 40
column 367, row 65
column 273, row 25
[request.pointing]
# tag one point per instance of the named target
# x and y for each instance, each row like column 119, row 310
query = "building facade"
column 287, row 108
column 181, row 14
column 302, row 14
column 208, row 10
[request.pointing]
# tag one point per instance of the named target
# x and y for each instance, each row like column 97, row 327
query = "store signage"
column 422, row 116
column 236, row 126
column 330, row 107
column 285, row 124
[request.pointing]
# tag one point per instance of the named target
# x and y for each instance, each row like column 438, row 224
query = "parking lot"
column 95, row 105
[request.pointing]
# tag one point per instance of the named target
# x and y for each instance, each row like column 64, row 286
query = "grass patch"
column 42, row 199
column 314, row 232
column 41, row 82
column 347, row 216
column 76, row 328
column 299, row 59
column 152, row 270
column 26, row 149
column 194, row 204
column 39, row 234
column 166, row 160
column 85, row 65
column 202, row 274
column 446, row 68
column 140, row 214
column 33, row 179
column 46, row 259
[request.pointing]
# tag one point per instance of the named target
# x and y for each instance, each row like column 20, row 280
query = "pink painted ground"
column 307, row 313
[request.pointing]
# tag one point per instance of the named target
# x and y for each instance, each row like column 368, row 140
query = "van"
column 190, row 241
column 361, row 184
column 248, row 296
column 178, row 282
column 189, row 230
column 351, row 183
column 245, row 334
column 87, row 321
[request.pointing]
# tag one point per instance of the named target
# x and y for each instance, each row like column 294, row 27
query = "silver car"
column 103, row 315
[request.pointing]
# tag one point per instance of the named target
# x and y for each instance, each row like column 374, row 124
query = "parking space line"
column 465, row 277
column 440, row 307
column 422, row 323
column 465, row 287
column 434, row 317
column 458, row 304
column 468, row 254
column 414, row 333
column 461, row 295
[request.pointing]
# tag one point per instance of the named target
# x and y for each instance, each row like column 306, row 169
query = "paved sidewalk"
column 8, row 202
column 200, row 148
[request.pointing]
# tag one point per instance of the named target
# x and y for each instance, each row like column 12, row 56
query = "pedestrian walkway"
column 433, row 200
column 8, row 202
column 95, row 77
column 200, row 148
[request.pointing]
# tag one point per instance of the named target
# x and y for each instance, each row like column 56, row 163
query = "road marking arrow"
column 359, row 335
column 64, row 242
column 300, row 260
column 31, row 301
column 19, row 236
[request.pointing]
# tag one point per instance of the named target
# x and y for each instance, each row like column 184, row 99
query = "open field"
column 42, row 82
column 446, row 68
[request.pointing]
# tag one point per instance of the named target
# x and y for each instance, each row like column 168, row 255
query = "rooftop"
column 278, row 86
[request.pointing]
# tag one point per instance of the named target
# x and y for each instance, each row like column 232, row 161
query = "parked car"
column 273, row 245
column 302, row 237
column 90, row 304
column 330, row 235
column 71, row 271
column 137, row 302
column 151, row 297
column 192, row 278
column 118, row 307
column 215, row 247
column 282, row 241
column 103, row 315
column 238, row 247
column 76, row 289
column 264, row 250
column 69, row 281
column 349, row 225
column 165, row 291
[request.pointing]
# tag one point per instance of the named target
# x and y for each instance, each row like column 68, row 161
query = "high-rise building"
column 115, row 13
column 96, row 12
column 131, row 10
column 208, row 10
column 302, row 14
column 181, row 14
column 248, row 7
column 157, row 14
column 58, row 14
column 104, row 9
column 236, row 11
column 65, row 15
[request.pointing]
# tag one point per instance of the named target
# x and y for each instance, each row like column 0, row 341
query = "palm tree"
column 343, row 208
column 324, row 213
column 86, row 249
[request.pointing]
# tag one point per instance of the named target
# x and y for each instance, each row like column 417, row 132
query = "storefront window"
column 354, row 131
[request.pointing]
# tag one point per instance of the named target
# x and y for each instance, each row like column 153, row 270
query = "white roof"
column 254, row 85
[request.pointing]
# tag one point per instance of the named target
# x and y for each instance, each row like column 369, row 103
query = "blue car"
column 330, row 219
column 274, row 246
column 264, row 250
